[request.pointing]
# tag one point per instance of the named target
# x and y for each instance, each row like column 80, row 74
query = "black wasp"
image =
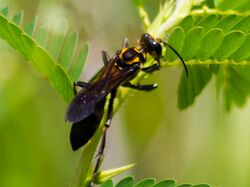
column 86, row 109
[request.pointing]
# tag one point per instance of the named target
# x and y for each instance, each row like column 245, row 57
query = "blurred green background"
column 202, row 144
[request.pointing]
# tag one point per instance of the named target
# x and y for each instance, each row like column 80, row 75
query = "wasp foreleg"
column 152, row 68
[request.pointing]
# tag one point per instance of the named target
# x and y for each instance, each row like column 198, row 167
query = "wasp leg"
column 146, row 87
column 100, row 153
column 79, row 84
column 105, row 57
column 125, row 43
column 152, row 68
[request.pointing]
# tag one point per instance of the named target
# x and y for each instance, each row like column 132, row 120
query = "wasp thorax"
column 129, row 54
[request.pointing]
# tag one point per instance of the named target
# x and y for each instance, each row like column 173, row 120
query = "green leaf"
column 243, row 52
column 210, row 3
column 15, row 35
column 201, row 185
column 210, row 43
column 18, row 18
column 108, row 183
column 56, row 40
column 236, row 86
column 187, row 23
column 165, row 183
column 231, row 42
column 208, row 22
column 4, row 32
column 41, row 36
column 77, row 67
column 221, row 44
column 129, row 182
column 243, row 25
column 176, row 40
column 61, row 82
column 185, row 185
column 227, row 23
column 126, row 182
column 69, row 49
column 38, row 56
column 190, row 87
column 5, row 11
column 244, row 6
column 234, row 5
column 145, row 183
column 192, row 42
column 225, row 5
column 29, row 28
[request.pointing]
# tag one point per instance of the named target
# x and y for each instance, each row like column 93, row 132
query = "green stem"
column 205, row 62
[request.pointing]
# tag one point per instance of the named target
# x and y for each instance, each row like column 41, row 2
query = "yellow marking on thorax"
column 123, row 51
column 136, row 59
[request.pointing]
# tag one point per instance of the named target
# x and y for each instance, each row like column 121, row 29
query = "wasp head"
column 151, row 45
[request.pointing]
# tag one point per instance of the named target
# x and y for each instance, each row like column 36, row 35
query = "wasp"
column 87, row 107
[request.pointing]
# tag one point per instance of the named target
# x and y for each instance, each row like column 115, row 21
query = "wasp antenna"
column 178, row 55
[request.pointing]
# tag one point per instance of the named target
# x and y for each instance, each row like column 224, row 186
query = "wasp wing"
column 82, row 131
column 81, row 106
column 120, row 77
column 84, row 102
column 109, row 78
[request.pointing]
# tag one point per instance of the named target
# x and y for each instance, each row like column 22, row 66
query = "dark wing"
column 81, row 106
column 84, row 103
column 82, row 131
column 121, row 77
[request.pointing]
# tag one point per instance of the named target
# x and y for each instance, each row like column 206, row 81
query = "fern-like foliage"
column 241, row 6
column 53, row 55
column 213, row 44
column 211, row 41
column 150, row 182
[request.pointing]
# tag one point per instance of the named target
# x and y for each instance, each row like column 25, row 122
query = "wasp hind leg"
column 100, row 154
column 146, row 87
